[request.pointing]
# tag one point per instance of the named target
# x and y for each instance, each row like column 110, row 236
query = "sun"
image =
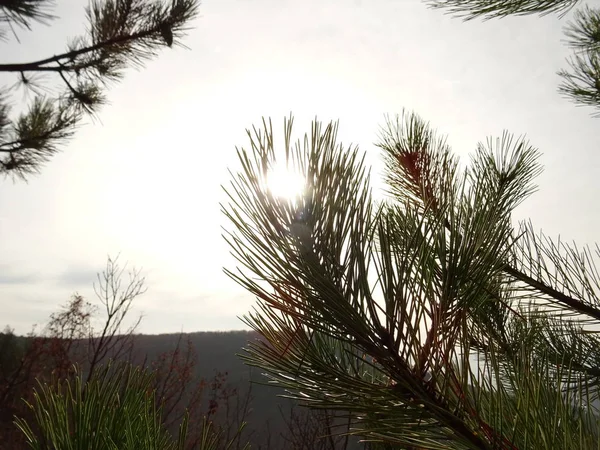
column 285, row 183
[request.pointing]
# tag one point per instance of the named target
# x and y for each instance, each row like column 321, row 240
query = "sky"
column 144, row 181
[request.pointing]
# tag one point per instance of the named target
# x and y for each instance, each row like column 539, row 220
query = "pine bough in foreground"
column 428, row 317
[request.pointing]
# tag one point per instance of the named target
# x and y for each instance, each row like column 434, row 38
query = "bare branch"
column 117, row 302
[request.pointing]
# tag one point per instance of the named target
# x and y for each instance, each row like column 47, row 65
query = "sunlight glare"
column 285, row 183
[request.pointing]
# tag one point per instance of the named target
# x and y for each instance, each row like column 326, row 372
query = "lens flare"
column 285, row 183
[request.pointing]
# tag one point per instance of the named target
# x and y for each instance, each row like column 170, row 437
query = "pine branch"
column 318, row 312
column 421, row 170
column 582, row 83
column 583, row 32
column 165, row 22
column 41, row 65
column 23, row 12
column 571, row 302
column 489, row 9
column 35, row 136
column 121, row 33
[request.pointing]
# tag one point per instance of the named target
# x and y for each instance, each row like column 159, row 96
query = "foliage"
column 428, row 317
column 67, row 88
column 115, row 409
column 581, row 82
column 489, row 9
column 120, row 34
column 70, row 339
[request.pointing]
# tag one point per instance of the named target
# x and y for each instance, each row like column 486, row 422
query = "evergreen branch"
column 121, row 33
column 414, row 158
column 40, row 65
column 582, row 83
column 583, row 33
column 188, row 12
column 440, row 255
column 571, row 302
column 36, row 135
column 331, row 365
column 23, row 12
column 325, row 304
column 490, row 9
column 115, row 409
column 562, row 269
column 574, row 303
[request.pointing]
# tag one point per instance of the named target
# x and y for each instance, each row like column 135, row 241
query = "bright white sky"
column 146, row 180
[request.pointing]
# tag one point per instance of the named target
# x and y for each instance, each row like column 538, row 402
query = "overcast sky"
column 145, row 180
